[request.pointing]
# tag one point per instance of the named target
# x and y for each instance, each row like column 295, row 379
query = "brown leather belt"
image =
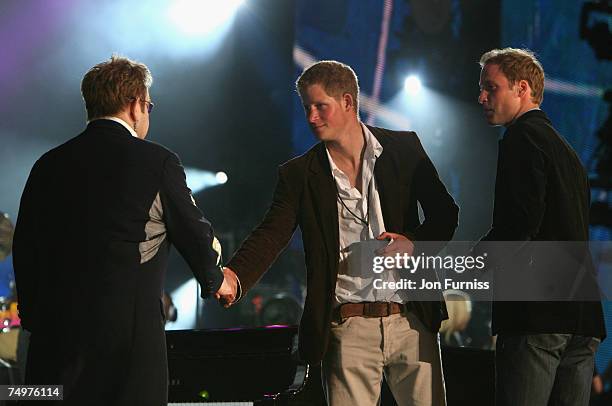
column 368, row 309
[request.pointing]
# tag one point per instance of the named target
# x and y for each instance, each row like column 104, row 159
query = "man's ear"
column 524, row 88
column 132, row 109
column 347, row 102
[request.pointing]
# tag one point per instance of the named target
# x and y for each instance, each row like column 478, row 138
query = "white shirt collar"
column 373, row 149
column 117, row 120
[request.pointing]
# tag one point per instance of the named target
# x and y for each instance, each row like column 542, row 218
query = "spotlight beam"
column 412, row 84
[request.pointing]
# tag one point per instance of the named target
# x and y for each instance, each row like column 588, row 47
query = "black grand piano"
column 244, row 366
column 257, row 367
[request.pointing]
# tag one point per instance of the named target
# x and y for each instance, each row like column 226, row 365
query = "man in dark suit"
column 97, row 218
column 359, row 183
column 545, row 349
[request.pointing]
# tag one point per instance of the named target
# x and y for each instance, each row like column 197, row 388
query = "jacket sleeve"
column 188, row 230
column 25, row 250
column 266, row 241
column 441, row 212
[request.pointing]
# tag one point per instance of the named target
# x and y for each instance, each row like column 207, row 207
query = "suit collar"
column 386, row 169
column 324, row 196
column 372, row 150
column 380, row 134
column 534, row 113
column 103, row 123
column 123, row 123
column 387, row 175
column 320, row 162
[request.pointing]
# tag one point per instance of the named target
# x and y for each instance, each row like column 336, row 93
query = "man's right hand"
column 226, row 295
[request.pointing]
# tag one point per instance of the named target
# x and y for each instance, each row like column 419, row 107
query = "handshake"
column 229, row 290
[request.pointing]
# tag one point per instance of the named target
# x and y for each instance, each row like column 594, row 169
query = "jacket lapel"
column 387, row 174
column 324, row 195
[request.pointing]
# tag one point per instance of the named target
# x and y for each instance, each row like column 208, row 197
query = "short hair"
column 109, row 86
column 518, row 64
column 335, row 77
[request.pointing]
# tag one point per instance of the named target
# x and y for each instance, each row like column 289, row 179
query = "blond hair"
column 518, row 64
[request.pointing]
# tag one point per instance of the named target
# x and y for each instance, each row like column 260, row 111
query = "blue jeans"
column 544, row 369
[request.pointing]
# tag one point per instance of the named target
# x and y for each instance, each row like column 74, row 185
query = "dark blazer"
column 542, row 194
column 97, row 217
column 305, row 196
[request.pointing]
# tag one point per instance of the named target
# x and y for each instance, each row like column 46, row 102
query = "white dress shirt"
column 355, row 281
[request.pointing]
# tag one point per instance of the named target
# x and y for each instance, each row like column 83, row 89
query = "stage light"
column 221, row 177
column 198, row 180
column 412, row 85
column 201, row 17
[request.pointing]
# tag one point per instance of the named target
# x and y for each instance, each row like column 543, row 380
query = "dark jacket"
column 542, row 194
column 305, row 196
column 97, row 217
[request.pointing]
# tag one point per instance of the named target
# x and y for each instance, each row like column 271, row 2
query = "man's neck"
column 524, row 109
column 121, row 120
column 123, row 115
column 348, row 149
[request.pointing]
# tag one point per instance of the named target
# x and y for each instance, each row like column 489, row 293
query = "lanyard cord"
column 366, row 220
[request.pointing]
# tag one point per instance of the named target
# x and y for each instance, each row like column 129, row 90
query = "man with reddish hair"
column 359, row 183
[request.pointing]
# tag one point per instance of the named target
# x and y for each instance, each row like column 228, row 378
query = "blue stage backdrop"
column 387, row 40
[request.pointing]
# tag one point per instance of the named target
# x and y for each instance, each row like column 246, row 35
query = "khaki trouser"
column 361, row 349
